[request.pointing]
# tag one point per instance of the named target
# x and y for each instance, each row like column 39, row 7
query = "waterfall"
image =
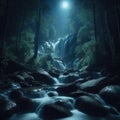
column 61, row 50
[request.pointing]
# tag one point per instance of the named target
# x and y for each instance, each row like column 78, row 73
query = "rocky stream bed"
column 54, row 95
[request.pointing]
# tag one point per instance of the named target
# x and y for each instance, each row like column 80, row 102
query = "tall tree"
column 3, row 28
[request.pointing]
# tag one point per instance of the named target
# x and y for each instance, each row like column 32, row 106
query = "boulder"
column 111, row 94
column 91, row 106
column 67, row 104
column 17, row 78
column 66, row 89
column 54, row 73
column 52, row 93
column 34, row 93
column 77, row 94
column 23, row 104
column 12, row 66
column 43, row 78
column 69, row 78
column 90, row 74
column 94, row 85
column 53, row 111
column 3, row 104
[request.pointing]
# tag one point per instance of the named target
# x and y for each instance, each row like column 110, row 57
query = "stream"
column 60, row 95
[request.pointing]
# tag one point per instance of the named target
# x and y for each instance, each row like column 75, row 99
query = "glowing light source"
column 65, row 4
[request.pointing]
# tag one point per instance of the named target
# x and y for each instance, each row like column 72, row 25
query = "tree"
column 3, row 28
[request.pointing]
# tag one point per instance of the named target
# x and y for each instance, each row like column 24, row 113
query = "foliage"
column 24, row 50
column 19, row 34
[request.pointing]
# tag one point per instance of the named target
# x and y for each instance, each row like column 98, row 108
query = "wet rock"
column 78, row 93
column 4, row 107
column 66, row 89
column 54, row 73
column 52, row 93
column 23, row 104
column 90, row 74
column 6, row 85
column 53, row 111
column 90, row 106
column 85, row 74
column 24, row 74
column 114, row 80
column 17, row 78
column 34, row 93
column 65, row 104
column 15, row 94
column 111, row 94
column 25, row 85
column 94, row 85
column 118, row 107
column 29, row 78
column 43, row 78
column 58, row 64
column 69, row 78
column 13, row 66
column 3, row 104
column 112, row 110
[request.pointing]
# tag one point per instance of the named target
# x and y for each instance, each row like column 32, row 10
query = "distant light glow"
column 65, row 4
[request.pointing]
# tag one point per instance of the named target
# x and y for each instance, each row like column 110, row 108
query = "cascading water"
column 46, row 99
column 62, row 50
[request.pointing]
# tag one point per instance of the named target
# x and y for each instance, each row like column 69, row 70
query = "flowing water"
column 59, row 51
column 77, row 115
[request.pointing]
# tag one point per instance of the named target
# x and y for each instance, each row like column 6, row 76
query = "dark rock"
column 29, row 79
column 5, row 107
column 85, row 74
column 94, row 85
column 66, row 89
column 77, row 94
column 15, row 94
column 54, row 73
column 3, row 104
column 24, row 74
column 90, row 74
column 118, row 107
column 68, row 71
column 34, row 93
column 111, row 94
column 52, row 93
column 43, row 78
column 13, row 66
column 65, row 104
column 53, row 111
column 113, row 80
column 6, row 85
column 90, row 106
column 69, row 78
column 23, row 104
column 112, row 110
column 25, row 85
column 17, row 78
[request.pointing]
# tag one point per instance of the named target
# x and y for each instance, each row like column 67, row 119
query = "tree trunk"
column 3, row 30
column 37, row 33
column 37, row 36
column 21, row 24
column 113, row 31
column 117, row 18
column 94, row 16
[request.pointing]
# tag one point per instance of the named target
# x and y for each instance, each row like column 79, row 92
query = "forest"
column 59, row 59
